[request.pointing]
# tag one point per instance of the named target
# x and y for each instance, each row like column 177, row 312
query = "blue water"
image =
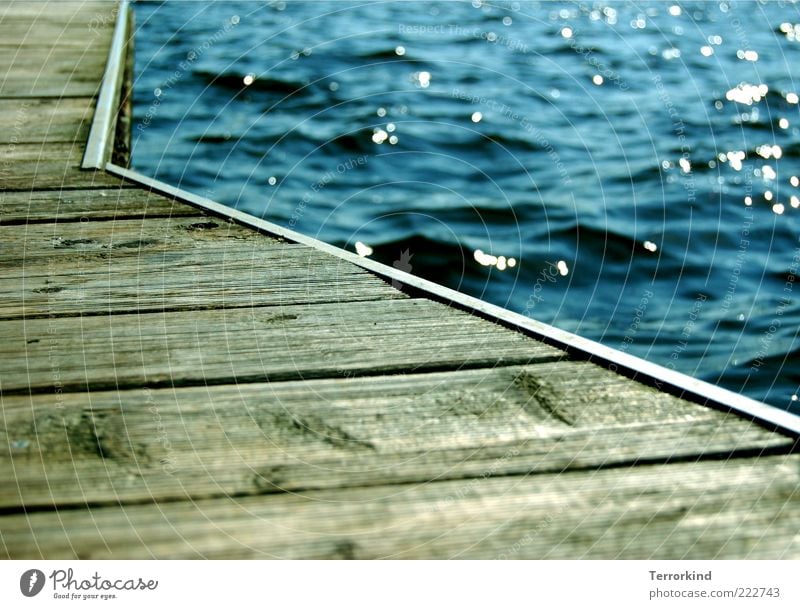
column 625, row 171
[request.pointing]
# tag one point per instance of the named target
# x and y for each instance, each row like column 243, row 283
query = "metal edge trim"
column 101, row 134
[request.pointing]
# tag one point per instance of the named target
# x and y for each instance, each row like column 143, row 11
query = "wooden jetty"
column 178, row 380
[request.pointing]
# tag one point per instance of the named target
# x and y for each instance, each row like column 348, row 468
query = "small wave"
column 381, row 54
column 769, row 378
column 211, row 139
column 237, row 82
column 352, row 142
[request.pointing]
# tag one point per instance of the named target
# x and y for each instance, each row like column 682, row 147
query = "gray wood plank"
column 86, row 205
column 37, row 63
column 57, row 23
column 55, row 85
column 20, row 37
column 54, row 49
column 733, row 509
column 36, row 166
column 244, row 345
column 48, row 72
column 63, row 243
column 26, row 121
column 63, row 12
column 166, row 264
column 168, row 444
column 52, row 38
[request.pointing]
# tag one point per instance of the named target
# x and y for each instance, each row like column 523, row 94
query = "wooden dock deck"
column 174, row 384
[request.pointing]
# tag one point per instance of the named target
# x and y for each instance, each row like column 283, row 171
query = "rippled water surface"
column 626, row 171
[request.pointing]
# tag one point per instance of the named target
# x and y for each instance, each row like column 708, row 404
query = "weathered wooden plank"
column 62, row 12
column 87, row 205
column 52, row 38
column 64, row 243
column 738, row 508
column 51, row 76
column 155, row 445
column 188, row 280
column 166, row 264
column 20, row 36
column 244, row 345
column 36, row 166
column 57, row 24
column 36, row 63
column 25, row 121
column 49, row 85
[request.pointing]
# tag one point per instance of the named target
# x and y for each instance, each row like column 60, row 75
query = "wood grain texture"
column 190, row 443
column 166, row 264
column 81, row 205
column 29, row 167
column 21, row 38
column 51, row 80
column 245, row 345
column 737, row 508
column 65, row 242
column 59, row 12
column 27, row 121
column 49, row 53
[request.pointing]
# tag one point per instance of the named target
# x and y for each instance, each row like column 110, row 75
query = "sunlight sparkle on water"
column 791, row 31
column 766, row 151
column 748, row 55
column 379, row 136
column 363, row 250
column 734, row 158
column 745, row 93
column 499, row 262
